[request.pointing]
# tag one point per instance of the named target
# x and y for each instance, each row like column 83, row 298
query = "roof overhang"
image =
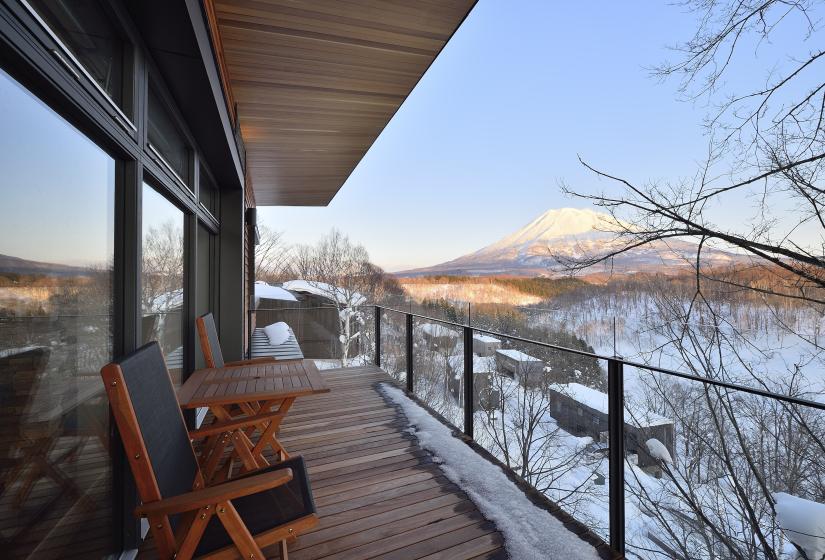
column 317, row 81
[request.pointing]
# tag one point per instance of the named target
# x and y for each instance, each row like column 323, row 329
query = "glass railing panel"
column 438, row 368
column 710, row 471
column 533, row 413
column 393, row 345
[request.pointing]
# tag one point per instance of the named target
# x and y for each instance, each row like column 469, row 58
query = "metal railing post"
column 377, row 336
column 249, row 333
column 469, row 391
column 409, row 353
column 615, row 423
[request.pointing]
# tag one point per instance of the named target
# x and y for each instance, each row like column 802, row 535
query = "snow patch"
column 268, row 291
column 803, row 522
column 529, row 532
column 658, row 450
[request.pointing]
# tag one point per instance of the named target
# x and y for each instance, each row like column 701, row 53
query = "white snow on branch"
column 529, row 532
column 803, row 522
column 658, row 450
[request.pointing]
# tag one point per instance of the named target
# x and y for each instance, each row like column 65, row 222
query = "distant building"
column 582, row 411
column 485, row 345
column 522, row 367
column 439, row 336
column 487, row 398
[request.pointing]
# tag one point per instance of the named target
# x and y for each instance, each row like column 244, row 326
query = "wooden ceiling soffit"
column 316, row 81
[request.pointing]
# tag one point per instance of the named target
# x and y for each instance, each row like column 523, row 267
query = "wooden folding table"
column 238, row 394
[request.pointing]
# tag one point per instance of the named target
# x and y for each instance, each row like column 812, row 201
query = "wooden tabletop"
column 258, row 382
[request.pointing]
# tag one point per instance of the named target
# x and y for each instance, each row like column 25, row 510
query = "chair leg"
column 282, row 550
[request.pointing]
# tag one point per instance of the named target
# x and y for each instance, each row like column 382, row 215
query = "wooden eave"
column 316, row 81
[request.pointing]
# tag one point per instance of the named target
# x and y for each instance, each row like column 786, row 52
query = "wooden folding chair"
column 232, row 519
column 211, row 346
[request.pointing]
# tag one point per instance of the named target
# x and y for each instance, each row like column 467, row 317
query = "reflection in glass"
column 162, row 278
column 208, row 192
column 91, row 37
column 166, row 138
column 203, row 305
column 56, row 254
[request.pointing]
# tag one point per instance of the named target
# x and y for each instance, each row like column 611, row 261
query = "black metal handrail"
column 615, row 399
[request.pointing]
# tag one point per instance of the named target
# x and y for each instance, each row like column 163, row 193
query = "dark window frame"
column 31, row 54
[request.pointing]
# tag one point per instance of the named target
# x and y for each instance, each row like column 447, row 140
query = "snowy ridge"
column 530, row 533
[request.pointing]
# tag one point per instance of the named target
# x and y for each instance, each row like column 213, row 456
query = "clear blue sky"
column 480, row 146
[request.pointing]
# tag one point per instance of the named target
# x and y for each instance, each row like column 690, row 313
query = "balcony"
column 379, row 494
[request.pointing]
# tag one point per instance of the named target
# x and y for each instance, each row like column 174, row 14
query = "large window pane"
column 56, row 254
column 166, row 138
column 162, row 277
column 82, row 25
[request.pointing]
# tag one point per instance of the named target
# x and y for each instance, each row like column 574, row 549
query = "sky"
column 482, row 144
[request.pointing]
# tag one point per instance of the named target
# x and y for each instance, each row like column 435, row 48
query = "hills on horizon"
column 574, row 233
column 16, row 265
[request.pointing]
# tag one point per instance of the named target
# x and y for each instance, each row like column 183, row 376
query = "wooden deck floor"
column 378, row 494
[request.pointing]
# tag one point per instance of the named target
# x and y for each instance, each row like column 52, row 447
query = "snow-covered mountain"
column 574, row 232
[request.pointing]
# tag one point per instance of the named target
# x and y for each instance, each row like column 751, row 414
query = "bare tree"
column 273, row 256
column 767, row 149
column 162, row 262
column 342, row 269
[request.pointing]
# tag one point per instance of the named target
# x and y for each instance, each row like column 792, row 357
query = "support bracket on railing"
column 469, row 391
column 378, row 336
column 615, row 426
column 409, row 352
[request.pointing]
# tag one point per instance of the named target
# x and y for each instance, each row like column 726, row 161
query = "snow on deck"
column 529, row 532
column 592, row 398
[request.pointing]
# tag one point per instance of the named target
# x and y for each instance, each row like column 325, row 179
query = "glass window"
column 56, row 254
column 84, row 28
column 162, row 278
column 208, row 192
column 166, row 138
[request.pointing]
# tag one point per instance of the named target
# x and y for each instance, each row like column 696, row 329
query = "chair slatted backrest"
column 152, row 428
column 210, row 345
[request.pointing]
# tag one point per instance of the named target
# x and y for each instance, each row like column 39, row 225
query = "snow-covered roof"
column 167, row 301
column 517, row 355
column 434, row 330
column 803, row 522
column 592, row 398
column 268, row 291
column 481, row 364
column 335, row 293
column 487, row 339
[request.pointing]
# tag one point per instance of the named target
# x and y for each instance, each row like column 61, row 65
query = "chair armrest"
column 251, row 362
column 211, row 495
column 229, row 425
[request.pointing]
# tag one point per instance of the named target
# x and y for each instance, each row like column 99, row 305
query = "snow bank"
column 803, row 522
column 322, row 289
column 529, row 532
column 268, row 291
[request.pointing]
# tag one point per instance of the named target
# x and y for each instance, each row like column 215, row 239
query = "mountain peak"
column 557, row 223
column 574, row 233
